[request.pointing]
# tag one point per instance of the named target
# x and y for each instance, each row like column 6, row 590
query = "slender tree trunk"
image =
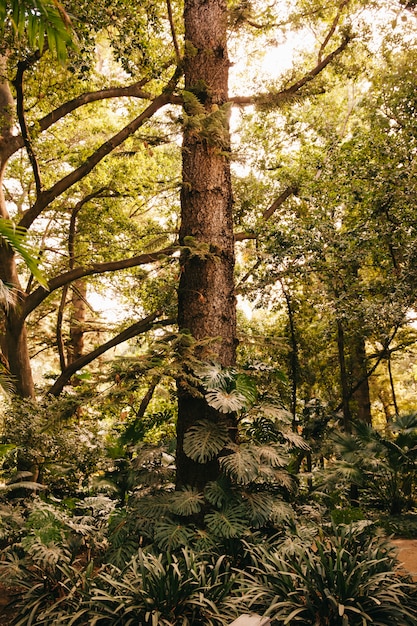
column 293, row 355
column 361, row 396
column 77, row 320
column 392, row 385
column 14, row 340
column 347, row 417
column 206, row 297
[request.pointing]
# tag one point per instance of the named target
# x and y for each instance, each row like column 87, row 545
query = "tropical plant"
column 41, row 20
column 382, row 464
column 343, row 577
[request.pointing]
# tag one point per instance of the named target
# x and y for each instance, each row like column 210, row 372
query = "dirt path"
column 407, row 555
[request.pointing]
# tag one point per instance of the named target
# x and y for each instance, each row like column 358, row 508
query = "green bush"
column 347, row 578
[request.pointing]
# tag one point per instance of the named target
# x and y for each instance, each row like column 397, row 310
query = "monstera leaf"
column 204, row 440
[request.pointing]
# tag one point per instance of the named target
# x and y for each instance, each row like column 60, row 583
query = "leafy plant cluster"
column 340, row 575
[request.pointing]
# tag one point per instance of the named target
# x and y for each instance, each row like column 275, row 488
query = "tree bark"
column 206, row 299
column 361, row 408
column 14, row 340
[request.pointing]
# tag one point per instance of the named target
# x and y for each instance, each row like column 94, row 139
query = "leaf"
column 246, row 386
column 170, row 535
column 226, row 401
column 37, row 18
column 214, row 376
column 186, row 501
column 230, row 522
column 204, row 440
column 15, row 237
column 216, row 493
column 241, row 465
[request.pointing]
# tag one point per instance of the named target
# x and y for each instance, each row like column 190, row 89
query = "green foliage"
column 40, row 20
column 49, row 446
column 15, row 238
column 346, row 577
column 383, row 465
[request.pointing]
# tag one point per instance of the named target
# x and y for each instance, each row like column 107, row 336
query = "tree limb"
column 283, row 196
column 283, row 96
column 40, row 294
column 135, row 329
column 47, row 196
column 22, row 66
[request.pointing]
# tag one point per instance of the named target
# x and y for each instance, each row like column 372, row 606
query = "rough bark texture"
column 206, row 290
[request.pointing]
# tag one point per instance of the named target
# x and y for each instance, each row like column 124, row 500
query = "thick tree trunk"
column 13, row 340
column 206, row 290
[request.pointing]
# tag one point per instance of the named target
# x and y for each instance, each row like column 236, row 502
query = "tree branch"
column 135, row 329
column 283, row 196
column 283, row 96
column 173, row 33
column 40, row 294
column 46, row 197
column 332, row 28
column 22, row 66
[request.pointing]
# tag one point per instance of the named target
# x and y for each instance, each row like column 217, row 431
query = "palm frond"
column 15, row 238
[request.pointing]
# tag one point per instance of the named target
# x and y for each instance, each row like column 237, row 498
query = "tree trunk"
column 77, row 321
column 206, row 300
column 347, row 418
column 14, row 339
column 361, row 406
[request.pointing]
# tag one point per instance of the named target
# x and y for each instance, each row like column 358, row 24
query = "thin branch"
column 267, row 214
column 332, row 29
column 135, row 329
column 40, row 294
column 59, row 321
column 173, row 33
column 22, row 66
column 381, row 356
column 283, row 96
column 46, row 197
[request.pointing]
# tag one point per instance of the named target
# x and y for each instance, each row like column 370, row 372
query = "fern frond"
column 241, row 465
column 204, row 440
column 187, row 501
column 228, row 523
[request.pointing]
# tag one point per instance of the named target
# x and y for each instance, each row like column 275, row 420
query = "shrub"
column 347, row 578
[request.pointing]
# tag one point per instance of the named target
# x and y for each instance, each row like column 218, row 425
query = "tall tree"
column 206, row 300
